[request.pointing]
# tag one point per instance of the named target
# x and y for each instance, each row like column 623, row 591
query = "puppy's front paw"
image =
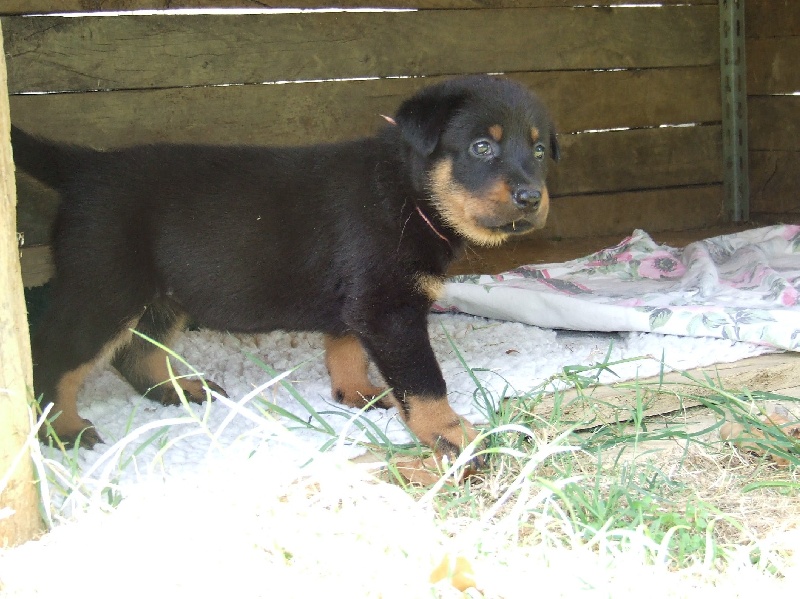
column 439, row 427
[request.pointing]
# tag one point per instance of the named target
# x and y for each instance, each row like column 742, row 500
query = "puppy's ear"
column 555, row 148
column 423, row 118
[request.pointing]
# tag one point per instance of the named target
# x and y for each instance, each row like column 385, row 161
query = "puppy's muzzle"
column 526, row 198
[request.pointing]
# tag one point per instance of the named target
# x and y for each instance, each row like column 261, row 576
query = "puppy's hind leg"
column 63, row 355
column 347, row 365
column 144, row 364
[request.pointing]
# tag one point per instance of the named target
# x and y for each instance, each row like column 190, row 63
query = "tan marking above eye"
column 535, row 135
column 496, row 131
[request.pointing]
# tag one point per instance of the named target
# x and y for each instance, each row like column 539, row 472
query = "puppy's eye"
column 482, row 148
column 538, row 151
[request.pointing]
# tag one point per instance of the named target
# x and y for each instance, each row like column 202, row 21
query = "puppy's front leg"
column 401, row 349
column 431, row 418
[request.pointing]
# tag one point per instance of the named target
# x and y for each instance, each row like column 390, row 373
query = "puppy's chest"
column 429, row 285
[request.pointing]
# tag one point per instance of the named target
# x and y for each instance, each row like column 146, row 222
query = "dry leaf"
column 733, row 432
column 429, row 470
column 418, row 470
column 459, row 571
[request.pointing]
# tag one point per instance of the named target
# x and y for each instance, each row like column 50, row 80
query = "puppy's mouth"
column 515, row 227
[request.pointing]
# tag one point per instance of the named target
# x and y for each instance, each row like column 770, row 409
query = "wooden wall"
column 618, row 80
column 773, row 85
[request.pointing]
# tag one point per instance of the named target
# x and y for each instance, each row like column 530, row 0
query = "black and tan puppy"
column 350, row 239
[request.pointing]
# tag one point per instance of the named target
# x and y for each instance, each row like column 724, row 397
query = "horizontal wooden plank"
column 774, row 122
column 607, row 218
column 772, row 18
column 775, row 182
column 773, row 66
column 308, row 113
column 313, row 112
column 620, row 213
column 671, row 393
column 138, row 52
column 20, row 7
column 772, row 28
column 638, row 159
column 775, row 218
column 581, row 100
column 592, row 163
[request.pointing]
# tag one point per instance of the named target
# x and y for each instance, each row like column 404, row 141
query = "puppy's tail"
column 41, row 159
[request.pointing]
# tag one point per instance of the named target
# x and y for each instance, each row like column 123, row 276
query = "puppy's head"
column 480, row 148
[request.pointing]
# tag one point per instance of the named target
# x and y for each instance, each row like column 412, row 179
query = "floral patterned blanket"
column 744, row 287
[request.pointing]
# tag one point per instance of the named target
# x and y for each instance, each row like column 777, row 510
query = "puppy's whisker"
column 402, row 232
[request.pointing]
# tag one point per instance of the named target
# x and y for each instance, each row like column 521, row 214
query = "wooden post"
column 19, row 496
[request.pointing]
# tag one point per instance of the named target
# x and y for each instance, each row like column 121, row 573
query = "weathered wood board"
column 142, row 52
column 311, row 112
column 775, row 156
column 619, row 213
column 674, row 157
column 774, row 67
column 772, row 28
column 775, row 184
column 613, row 77
column 68, row 6
column 610, row 218
column 333, row 110
column 638, row 159
column 774, row 122
column 673, row 392
column 772, row 18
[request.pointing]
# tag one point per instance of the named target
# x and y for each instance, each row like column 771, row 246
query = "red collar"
column 430, row 224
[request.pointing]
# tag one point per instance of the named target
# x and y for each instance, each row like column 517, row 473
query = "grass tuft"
column 566, row 470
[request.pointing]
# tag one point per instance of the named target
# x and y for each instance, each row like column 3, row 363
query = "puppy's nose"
column 526, row 198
